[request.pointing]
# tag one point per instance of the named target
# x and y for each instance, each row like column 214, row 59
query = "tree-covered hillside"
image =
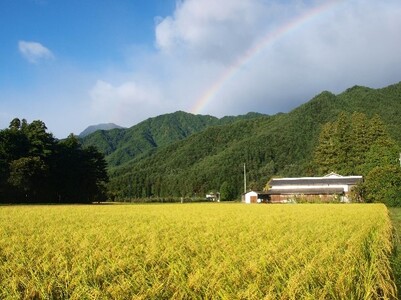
column 279, row 145
column 123, row 145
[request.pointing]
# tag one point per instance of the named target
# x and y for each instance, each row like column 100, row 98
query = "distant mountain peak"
column 103, row 126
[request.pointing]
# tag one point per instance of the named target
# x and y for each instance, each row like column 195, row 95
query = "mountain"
column 123, row 145
column 269, row 145
column 93, row 128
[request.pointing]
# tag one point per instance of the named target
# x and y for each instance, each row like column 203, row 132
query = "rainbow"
column 252, row 52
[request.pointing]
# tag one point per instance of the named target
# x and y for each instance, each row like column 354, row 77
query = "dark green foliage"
column 354, row 144
column 122, row 145
column 26, row 175
column 228, row 191
column 383, row 184
column 184, row 155
column 36, row 168
column 280, row 145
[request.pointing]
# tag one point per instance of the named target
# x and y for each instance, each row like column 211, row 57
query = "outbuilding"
column 255, row 197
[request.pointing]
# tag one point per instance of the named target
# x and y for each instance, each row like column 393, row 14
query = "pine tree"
column 325, row 156
column 354, row 145
column 360, row 137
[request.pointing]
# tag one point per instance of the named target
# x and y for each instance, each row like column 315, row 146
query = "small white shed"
column 255, row 197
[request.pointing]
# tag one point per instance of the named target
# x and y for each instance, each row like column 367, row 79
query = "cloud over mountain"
column 204, row 49
column 224, row 57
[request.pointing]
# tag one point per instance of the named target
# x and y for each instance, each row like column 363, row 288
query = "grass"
column 395, row 214
column 196, row 251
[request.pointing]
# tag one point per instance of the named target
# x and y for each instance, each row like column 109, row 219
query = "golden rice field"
column 196, row 251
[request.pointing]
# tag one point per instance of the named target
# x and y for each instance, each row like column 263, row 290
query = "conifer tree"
column 354, row 145
column 326, row 150
column 364, row 147
column 360, row 139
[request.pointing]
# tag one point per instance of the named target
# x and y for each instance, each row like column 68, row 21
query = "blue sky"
column 74, row 63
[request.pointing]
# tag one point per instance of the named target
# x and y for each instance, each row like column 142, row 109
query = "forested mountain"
column 93, row 128
column 123, row 145
column 185, row 155
column 269, row 145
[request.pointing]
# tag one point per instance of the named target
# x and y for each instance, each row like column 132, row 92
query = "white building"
column 255, row 197
column 326, row 188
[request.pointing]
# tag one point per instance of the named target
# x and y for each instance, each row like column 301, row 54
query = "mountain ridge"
column 123, row 145
column 103, row 126
column 278, row 145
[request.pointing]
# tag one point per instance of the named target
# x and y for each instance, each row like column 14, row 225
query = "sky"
column 75, row 63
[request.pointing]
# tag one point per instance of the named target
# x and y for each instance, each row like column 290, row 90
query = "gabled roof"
column 333, row 175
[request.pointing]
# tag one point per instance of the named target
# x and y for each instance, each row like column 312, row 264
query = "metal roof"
column 311, row 181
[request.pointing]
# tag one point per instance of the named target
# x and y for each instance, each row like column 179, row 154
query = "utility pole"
column 400, row 159
column 245, row 176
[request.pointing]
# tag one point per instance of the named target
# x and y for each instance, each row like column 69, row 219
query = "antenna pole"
column 245, row 176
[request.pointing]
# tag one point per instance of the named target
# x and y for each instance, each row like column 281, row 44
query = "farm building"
column 255, row 197
column 328, row 188
column 213, row 197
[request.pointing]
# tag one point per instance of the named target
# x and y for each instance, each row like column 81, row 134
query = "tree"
column 325, row 155
column 383, row 184
column 382, row 153
column 15, row 124
column 227, row 191
column 95, row 174
column 360, row 138
column 80, row 174
column 370, row 151
column 41, row 142
column 355, row 147
column 14, row 144
column 377, row 129
column 27, row 175
column 334, row 152
column 35, row 167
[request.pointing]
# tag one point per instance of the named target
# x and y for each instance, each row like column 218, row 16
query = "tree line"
column 35, row 167
column 350, row 144
column 354, row 144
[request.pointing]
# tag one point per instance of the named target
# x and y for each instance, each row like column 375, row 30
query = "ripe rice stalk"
column 196, row 251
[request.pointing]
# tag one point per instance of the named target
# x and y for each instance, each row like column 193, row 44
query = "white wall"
column 248, row 196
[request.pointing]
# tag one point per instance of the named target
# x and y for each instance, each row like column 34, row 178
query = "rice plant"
column 196, row 251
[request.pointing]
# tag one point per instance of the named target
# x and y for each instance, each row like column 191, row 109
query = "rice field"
column 196, row 251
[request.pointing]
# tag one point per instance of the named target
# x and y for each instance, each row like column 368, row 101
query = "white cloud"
column 203, row 48
column 337, row 46
column 126, row 102
column 34, row 51
column 214, row 30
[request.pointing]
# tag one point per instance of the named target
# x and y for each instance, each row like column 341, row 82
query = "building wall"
column 305, row 198
column 249, row 195
column 321, row 187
